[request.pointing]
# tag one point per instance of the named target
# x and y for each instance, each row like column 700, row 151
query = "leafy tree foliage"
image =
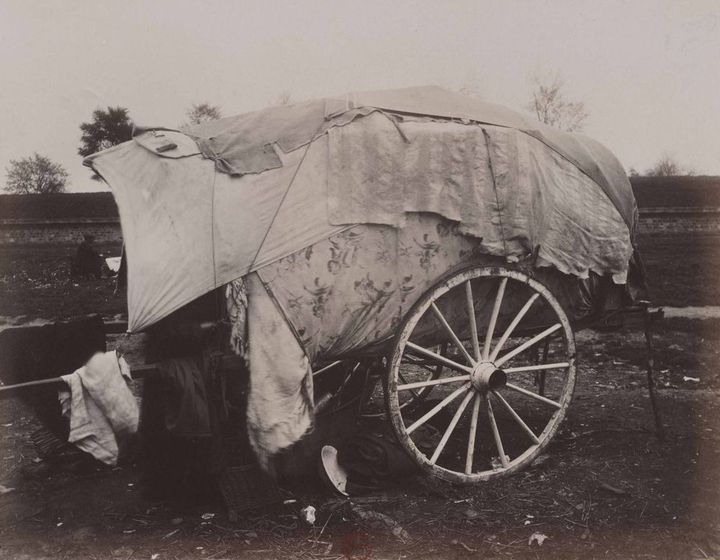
column 107, row 128
column 551, row 107
column 202, row 113
column 36, row 174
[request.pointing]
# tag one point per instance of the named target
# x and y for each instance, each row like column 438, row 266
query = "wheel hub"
column 487, row 376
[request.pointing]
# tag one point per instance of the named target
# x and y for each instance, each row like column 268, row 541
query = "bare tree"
column 35, row 175
column 551, row 107
column 284, row 98
column 666, row 166
column 201, row 113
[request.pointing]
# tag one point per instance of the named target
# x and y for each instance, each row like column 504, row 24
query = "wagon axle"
column 486, row 376
column 489, row 417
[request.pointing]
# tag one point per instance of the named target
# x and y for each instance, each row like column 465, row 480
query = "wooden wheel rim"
column 421, row 307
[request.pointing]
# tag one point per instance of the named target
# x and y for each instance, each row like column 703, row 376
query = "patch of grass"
column 682, row 269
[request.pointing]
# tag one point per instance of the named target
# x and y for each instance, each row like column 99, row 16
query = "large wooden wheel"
column 505, row 381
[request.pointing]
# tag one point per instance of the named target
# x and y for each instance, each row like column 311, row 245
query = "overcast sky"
column 648, row 71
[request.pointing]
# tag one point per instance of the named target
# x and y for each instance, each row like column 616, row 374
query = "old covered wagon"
column 450, row 242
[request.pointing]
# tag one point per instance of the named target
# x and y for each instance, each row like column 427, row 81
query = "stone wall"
column 679, row 220
column 59, row 232
column 107, row 230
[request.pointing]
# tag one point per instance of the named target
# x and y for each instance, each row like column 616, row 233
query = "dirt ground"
column 35, row 283
column 605, row 488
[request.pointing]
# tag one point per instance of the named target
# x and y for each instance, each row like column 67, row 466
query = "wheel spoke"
column 511, row 326
column 496, row 433
column 493, row 318
column 473, row 322
column 433, row 411
column 485, row 424
column 431, row 382
column 549, row 339
column 427, row 366
column 527, row 344
column 402, row 377
column 416, row 361
column 326, row 368
column 451, row 427
column 533, row 395
column 451, row 333
column 536, row 367
column 349, row 375
column 540, row 376
column 442, row 359
column 471, row 436
column 516, row 416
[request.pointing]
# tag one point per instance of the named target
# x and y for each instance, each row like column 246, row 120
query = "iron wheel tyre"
column 491, row 375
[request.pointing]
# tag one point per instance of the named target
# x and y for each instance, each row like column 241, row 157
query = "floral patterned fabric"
column 352, row 290
column 236, row 303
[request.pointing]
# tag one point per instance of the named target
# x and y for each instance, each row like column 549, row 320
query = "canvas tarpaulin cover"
column 498, row 184
column 349, row 209
column 189, row 228
column 232, row 139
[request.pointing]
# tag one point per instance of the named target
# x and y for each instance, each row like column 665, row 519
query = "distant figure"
column 87, row 262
